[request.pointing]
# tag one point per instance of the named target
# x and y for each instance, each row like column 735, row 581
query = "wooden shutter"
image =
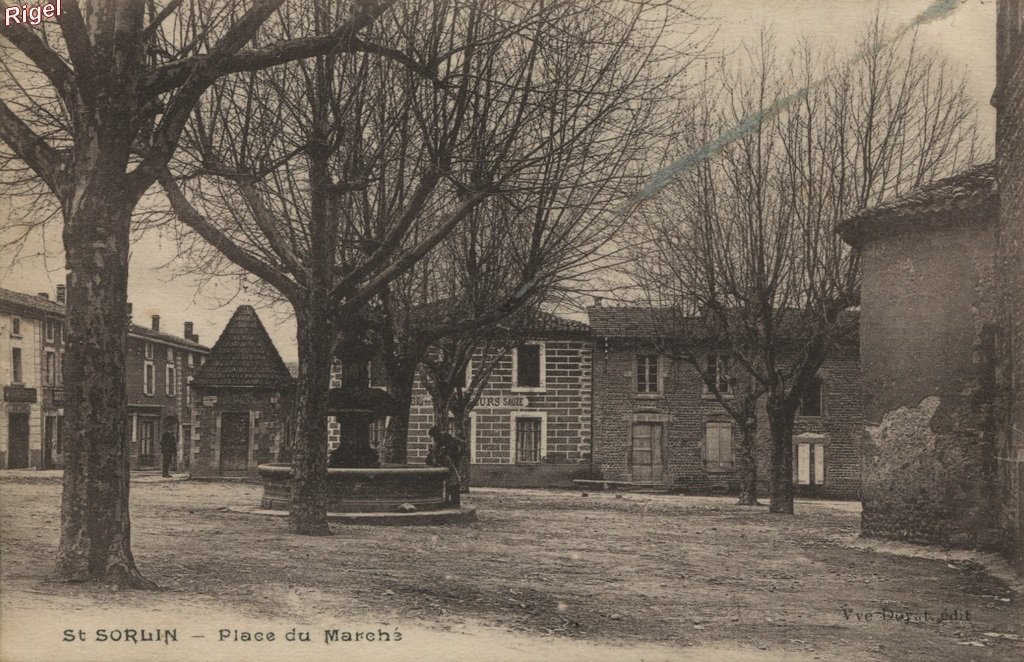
column 803, row 464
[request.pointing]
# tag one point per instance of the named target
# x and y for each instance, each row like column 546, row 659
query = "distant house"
column 160, row 368
column 32, row 344
column 655, row 421
column 243, row 401
column 531, row 427
column 31, row 351
column 928, row 328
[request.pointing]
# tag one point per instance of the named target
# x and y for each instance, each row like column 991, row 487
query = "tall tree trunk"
column 747, row 462
column 95, row 534
column 780, row 420
column 462, row 431
column 307, row 513
column 396, row 440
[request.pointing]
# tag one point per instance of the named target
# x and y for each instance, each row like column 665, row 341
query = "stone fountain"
column 359, row 489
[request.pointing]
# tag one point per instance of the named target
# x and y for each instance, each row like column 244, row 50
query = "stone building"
column 31, row 351
column 158, row 369
column 531, row 427
column 1009, row 102
column 928, row 331
column 242, row 398
column 942, row 332
column 655, row 421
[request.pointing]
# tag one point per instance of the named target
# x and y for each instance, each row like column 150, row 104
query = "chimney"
column 62, row 294
column 188, row 331
column 195, row 338
column 44, row 295
column 598, row 301
column 156, row 322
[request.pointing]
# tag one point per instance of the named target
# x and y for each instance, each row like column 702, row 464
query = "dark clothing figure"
column 448, row 451
column 168, row 448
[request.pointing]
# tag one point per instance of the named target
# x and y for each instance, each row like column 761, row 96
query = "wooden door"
column 17, row 441
column 648, row 453
column 234, row 442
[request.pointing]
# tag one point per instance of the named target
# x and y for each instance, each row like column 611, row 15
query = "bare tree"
column 328, row 179
column 746, row 238
column 95, row 105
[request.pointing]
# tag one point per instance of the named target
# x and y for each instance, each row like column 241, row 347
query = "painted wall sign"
column 19, row 394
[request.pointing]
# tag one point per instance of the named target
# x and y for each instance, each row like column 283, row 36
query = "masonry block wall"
column 683, row 410
column 563, row 406
column 927, row 360
column 1009, row 101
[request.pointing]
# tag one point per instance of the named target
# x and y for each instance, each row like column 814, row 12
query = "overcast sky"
column 966, row 37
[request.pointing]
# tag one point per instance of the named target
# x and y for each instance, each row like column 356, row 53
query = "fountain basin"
column 363, row 490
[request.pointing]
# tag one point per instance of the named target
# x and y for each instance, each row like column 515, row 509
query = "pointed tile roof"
column 244, row 356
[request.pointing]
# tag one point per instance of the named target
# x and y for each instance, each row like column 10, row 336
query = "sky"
column 966, row 38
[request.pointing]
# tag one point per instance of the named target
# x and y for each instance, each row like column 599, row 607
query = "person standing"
column 168, row 445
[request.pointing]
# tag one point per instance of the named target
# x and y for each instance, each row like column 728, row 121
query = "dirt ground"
column 541, row 575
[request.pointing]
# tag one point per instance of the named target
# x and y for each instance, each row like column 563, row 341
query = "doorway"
column 234, row 443
column 647, row 458
column 17, row 441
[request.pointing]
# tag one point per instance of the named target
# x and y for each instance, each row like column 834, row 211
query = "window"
column 190, row 359
column 169, row 385
column 718, row 373
column 51, row 330
column 16, row 365
column 529, row 436
column 718, row 455
column 51, row 368
column 149, row 378
column 809, row 462
column 16, row 326
column 812, row 399
column 378, row 428
column 60, row 435
column 528, row 367
column 647, row 373
column 188, row 392
column 149, row 350
column 170, row 355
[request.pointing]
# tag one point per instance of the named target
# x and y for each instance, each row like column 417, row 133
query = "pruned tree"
column 94, row 104
column 327, row 179
column 746, row 237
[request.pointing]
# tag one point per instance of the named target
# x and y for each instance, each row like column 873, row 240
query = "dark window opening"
column 528, row 366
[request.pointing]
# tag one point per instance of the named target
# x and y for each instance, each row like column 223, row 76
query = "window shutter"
column 725, row 444
column 819, row 464
column 712, row 450
column 803, row 464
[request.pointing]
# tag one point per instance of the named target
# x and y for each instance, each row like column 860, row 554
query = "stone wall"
column 927, row 333
column 1009, row 100
column 683, row 409
column 268, row 424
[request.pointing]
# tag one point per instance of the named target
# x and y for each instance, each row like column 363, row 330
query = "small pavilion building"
column 242, row 401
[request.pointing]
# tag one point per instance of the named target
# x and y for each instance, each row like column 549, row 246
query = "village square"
column 466, row 329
